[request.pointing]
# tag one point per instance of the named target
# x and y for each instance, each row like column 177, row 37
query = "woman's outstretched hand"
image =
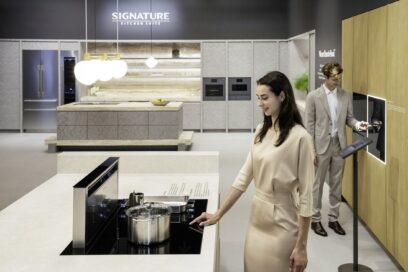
column 298, row 260
column 206, row 219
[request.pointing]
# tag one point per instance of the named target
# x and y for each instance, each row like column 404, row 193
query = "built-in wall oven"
column 214, row 88
column 239, row 88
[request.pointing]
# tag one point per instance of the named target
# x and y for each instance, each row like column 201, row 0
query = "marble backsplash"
column 176, row 77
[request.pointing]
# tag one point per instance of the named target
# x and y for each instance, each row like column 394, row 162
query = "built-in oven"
column 239, row 88
column 213, row 88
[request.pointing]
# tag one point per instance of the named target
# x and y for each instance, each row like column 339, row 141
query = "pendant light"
column 101, row 63
column 82, row 70
column 98, row 66
column 151, row 62
column 118, row 67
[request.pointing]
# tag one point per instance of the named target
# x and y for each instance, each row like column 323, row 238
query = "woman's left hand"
column 298, row 260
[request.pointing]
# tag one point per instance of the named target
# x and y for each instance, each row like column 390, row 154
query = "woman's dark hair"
column 289, row 114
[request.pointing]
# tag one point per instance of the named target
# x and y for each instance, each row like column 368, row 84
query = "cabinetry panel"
column 191, row 116
column 9, row 85
column 214, row 59
column 240, row 60
column 266, row 59
column 214, row 115
column 239, row 115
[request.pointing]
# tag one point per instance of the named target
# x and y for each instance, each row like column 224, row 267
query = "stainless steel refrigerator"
column 40, row 90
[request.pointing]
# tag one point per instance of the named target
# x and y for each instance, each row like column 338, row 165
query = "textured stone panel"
column 240, row 59
column 164, row 132
column 164, row 118
column 133, row 118
column 239, row 115
column 214, row 59
column 67, row 118
column 71, row 132
column 266, row 59
column 102, row 118
column 133, row 132
column 74, row 46
column 28, row 45
column 102, row 132
column 191, row 116
column 9, row 85
column 214, row 115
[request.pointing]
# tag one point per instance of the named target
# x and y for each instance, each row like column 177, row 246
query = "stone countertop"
column 119, row 106
column 35, row 229
column 143, row 97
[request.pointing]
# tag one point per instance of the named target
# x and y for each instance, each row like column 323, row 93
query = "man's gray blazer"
column 318, row 120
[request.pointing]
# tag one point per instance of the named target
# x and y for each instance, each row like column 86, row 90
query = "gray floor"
column 25, row 163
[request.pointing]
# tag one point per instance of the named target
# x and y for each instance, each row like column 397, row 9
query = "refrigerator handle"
column 39, row 81
column 42, row 80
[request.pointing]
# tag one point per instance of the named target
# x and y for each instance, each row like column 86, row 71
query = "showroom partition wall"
column 374, row 58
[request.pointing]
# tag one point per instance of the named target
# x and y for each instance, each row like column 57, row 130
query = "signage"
column 327, row 54
column 140, row 18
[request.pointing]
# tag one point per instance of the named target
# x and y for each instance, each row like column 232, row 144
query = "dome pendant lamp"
column 118, row 67
column 82, row 70
column 151, row 62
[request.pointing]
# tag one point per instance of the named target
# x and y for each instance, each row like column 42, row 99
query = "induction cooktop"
column 113, row 237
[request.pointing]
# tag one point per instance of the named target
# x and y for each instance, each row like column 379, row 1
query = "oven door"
column 239, row 88
column 214, row 89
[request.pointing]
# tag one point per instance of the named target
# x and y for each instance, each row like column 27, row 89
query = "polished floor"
column 25, row 164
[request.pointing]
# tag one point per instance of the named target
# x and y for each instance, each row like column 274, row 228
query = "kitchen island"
column 120, row 125
column 35, row 229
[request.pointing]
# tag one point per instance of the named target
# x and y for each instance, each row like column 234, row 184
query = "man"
column 328, row 110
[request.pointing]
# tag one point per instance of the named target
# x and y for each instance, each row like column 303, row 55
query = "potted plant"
column 302, row 83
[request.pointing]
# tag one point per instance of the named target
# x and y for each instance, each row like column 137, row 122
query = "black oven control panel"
column 239, row 88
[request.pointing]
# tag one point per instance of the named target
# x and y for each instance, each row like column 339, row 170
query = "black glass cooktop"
column 112, row 239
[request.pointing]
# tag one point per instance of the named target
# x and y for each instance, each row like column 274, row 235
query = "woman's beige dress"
column 283, row 178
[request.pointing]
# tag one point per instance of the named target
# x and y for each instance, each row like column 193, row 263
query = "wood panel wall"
column 347, row 84
column 379, row 66
column 397, row 131
column 375, row 180
column 360, row 36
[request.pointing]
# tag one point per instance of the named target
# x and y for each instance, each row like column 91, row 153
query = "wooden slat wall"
column 383, row 34
column 393, row 167
column 347, row 84
column 397, row 132
column 392, row 128
column 377, row 48
column 360, row 36
column 375, row 196
column 359, row 79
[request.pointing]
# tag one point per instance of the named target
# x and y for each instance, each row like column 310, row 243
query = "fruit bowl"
column 159, row 102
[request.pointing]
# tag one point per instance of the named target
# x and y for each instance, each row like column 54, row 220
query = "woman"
column 281, row 163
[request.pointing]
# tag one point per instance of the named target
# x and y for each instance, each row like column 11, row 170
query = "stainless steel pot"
column 148, row 223
column 178, row 204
